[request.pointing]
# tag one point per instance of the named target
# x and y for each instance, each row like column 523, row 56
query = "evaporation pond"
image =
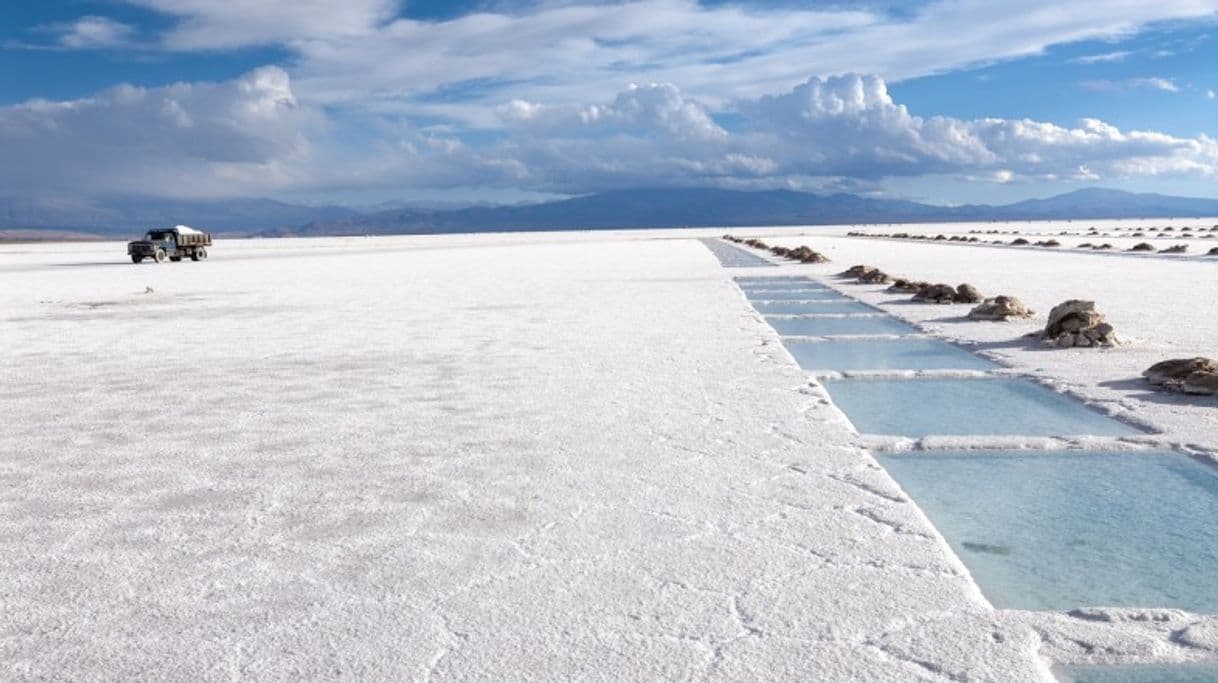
column 812, row 307
column 963, row 407
column 820, row 327
column 734, row 257
column 780, row 286
column 1147, row 673
column 884, row 354
column 1044, row 530
column 768, row 279
column 794, row 295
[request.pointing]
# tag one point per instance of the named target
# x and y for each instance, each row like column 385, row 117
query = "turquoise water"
column 780, row 286
column 923, row 407
column 819, row 327
column 812, row 307
column 1065, row 529
column 1152, row 673
column 765, row 279
column 734, row 257
column 885, row 354
column 802, row 294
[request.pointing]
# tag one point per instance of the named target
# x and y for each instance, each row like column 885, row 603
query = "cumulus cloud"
column 233, row 137
column 251, row 136
column 820, row 133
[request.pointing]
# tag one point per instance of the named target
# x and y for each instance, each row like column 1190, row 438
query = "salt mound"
column 1187, row 375
column 1078, row 323
column 1000, row 308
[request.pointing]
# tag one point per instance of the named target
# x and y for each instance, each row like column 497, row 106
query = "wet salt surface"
column 813, row 307
column 964, row 407
column 884, row 354
column 1152, row 673
column 819, row 327
column 1060, row 530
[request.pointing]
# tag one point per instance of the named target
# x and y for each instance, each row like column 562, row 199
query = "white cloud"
column 250, row 136
column 212, row 24
column 1153, row 83
column 1209, row 94
column 821, row 132
column 235, row 137
column 90, row 32
column 356, row 55
column 1156, row 83
column 1106, row 57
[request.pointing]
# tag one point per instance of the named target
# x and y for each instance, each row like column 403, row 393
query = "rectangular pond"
column 766, row 279
column 885, row 354
column 820, row 327
column 734, row 257
column 1043, row 530
column 813, row 307
column 804, row 294
column 1139, row 673
column 961, row 407
column 780, row 286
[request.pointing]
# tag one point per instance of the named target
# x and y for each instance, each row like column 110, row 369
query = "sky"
column 370, row 101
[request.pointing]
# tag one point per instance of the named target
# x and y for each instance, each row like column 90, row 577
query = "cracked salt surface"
column 509, row 457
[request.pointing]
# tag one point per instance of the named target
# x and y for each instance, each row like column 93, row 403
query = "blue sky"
column 379, row 100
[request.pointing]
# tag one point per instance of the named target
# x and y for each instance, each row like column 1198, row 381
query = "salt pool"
column 1059, row 530
column 818, row 327
column 733, row 257
column 812, row 307
column 804, row 294
column 884, row 354
column 924, row 407
column 762, row 279
column 1148, row 673
column 780, row 286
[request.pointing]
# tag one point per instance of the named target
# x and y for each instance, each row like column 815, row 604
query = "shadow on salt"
column 884, row 354
column 1059, row 530
column 1148, row 673
column 822, row 327
column 917, row 408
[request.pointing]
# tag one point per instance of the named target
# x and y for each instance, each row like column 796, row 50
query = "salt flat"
column 507, row 457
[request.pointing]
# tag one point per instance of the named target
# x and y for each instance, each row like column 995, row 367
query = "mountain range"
column 640, row 208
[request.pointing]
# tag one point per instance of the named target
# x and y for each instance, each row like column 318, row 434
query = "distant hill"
column 713, row 207
column 641, row 208
column 134, row 216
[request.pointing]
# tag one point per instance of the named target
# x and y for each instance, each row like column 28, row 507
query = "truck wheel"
column 160, row 256
column 201, row 253
column 137, row 259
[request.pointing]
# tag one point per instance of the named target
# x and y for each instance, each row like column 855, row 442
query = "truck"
column 170, row 244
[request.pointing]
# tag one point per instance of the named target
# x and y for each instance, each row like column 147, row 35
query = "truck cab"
column 170, row 244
